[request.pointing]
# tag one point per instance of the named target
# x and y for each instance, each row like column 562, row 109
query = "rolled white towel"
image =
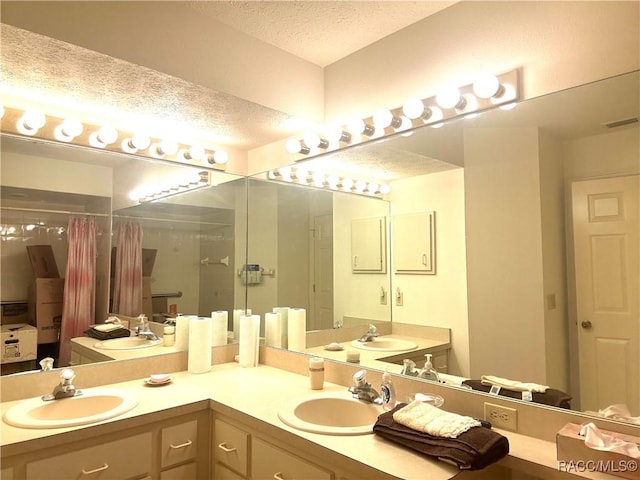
column 107, row 327
column 429, row 419
column 514, row 385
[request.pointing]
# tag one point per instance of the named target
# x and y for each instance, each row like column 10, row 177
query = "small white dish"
column 334, row 347
column 160, row 379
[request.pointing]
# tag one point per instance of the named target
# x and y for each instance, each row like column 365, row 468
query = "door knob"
column 586, row 324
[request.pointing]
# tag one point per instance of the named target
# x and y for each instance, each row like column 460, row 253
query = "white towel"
column 619, row 411
column 107, row 327
column 429, row 419
column 514, row 385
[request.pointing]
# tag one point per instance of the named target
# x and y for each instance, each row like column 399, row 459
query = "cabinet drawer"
column 271, row 462
column 231, row 446
column 126, row 458
column 183, row 472
column 220, row 472
column 179, row 443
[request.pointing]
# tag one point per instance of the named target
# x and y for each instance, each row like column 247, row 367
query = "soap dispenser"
column 428, row 372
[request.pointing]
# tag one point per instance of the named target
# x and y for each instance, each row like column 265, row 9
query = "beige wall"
column 438, row 300
column 556, row 45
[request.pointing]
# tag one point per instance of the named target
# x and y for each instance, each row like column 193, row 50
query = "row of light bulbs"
column 187, row 183
column 488, row 91
column 319, row 179
column 32, row 121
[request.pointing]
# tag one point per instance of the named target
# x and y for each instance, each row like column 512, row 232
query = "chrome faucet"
column 409, row 368
column 362, row 390
column 143, row 330
column 65, row 389
column 370, row 335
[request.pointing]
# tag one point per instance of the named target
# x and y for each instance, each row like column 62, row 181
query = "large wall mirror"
column 536, row 238
column 192, row 241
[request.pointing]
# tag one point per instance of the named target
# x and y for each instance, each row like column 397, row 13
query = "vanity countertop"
column 256, row 392
column 376, row 359
column 86, row 345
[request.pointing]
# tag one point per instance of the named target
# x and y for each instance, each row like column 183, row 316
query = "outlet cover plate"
column 501, row 416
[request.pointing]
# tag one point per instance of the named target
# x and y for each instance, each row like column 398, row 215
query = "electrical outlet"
column 501, row 417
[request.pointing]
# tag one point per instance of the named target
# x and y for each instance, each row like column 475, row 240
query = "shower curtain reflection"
column 79, row 301
column 127, row 288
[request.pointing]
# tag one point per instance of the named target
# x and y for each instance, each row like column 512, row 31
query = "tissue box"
column 575, row 457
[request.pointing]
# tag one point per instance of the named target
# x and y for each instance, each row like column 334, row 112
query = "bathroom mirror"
column 518, row 313
column 196, row 238
column 304, row 242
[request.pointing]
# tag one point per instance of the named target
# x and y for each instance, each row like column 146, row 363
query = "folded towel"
column 474, row 449
column 429, row 419
column 551, row 397
column 107, row 327
column 513, row 384
column 119, row 332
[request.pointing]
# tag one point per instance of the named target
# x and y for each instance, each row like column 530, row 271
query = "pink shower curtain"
column 127, row 289
column 78, row 310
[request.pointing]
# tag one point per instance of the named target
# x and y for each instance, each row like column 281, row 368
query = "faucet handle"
column 67, row 375
column 360, row 378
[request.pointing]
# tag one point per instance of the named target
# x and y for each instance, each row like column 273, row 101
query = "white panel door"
column 607, row 246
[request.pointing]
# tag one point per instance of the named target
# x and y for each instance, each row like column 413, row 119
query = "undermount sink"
column 127, row 343
column 330, row 414
column 92, row 405
column 385, row 344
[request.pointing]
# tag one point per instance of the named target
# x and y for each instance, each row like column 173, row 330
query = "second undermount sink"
column 330, row 414
column 385, row 344
column 127, row 343
column 91, row 406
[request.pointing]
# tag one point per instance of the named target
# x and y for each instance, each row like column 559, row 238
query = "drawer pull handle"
column 224, row 448
column 182, row 445
column 95, row 470
column 278, row 476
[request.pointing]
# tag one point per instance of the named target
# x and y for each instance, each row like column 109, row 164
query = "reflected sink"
column 93, row 405
column 386, row 344
column 127, row 343
column 330, row 414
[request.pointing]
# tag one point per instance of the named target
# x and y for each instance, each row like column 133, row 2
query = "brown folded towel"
column 552, row 397
column 117, row 333
column 474, row 449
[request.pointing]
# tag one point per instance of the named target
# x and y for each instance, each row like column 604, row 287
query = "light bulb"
column 140, row 141
column 347, row 184
column 293, row 146
column 357, row 126
column 372, row 188
column 413, row 108
column 487, row 85
column 31, row 121
column 220, row 157
column 332, row 181
column 335, row 134
column 382, row 118
column 69, row 129
column 318, row 179
column 360, row 186
column 103, row 137
column 385, row 189
column 449, row 97
column 508, row 94
column 469, row 103
column 302, row 174
column 285, row 172
column 313, row 140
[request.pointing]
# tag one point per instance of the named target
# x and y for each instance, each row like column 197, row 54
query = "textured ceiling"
column 320, row 32
column 75, row 78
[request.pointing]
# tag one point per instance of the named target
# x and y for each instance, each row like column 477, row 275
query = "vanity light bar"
column 302, row 176
column 487, row 92
column 179, row 186
column 35, row 123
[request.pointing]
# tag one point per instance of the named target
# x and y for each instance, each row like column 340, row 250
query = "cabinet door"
column 368, row 245
column 126, row 458
column 270, row 462
column 7, row 473
column 231, row 446
column 179, row 443
column 220, row 472
column 414, row 243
